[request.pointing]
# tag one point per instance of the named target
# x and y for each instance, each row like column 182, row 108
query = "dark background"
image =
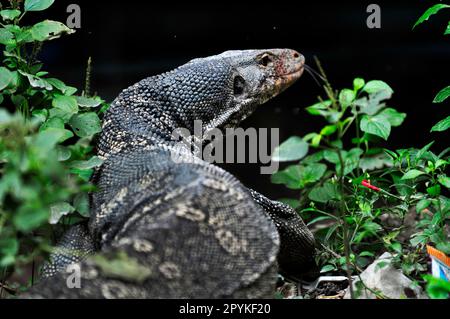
column 130, row 40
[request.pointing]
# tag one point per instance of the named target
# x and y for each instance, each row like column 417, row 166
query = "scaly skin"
column 184, row 229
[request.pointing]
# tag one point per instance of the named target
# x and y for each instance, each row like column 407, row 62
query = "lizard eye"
column 238, row 85
column 265, row 60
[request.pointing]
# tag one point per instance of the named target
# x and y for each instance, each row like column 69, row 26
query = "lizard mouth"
column 286, row 80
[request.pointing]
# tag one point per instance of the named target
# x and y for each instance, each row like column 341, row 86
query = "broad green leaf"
column 422, row 204
column 66, row 104
column 442, row 95
column 420, row 154
column 441, row 125
column 375, row 86
column 376, row 125
column 378, row 161
column 395, row 118
column 429, row 12
column 85, row 124
column 5, row 77
column 346, row 97
column 9, row 15
column 6, row 37
column 437, row 288
column 37, row 5
column 325, row 193
column 290, row 177
column 444, row 180
column 57, row 211
column 312, row 173
column 358, row 84
column 45, row 141
column 9, row 247
column 434, row 190
column 28, row 218
column 292, row 149
column 411, row 174
column 88, row 101
column 49, row 30
column 36, row 81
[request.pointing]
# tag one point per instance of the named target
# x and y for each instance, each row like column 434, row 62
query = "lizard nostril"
column 296, row 55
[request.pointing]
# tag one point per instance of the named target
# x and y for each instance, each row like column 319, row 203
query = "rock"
column 383, row 277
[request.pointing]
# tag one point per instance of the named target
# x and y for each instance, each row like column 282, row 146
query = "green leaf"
column 84, row 165
column 9, row 15
column 85, row 124
column 441, row 125
column 28, row 218
column 6, row 37
column 442, row 95
column 437, row 288
column 376, row 125
column 444, row 180
column 358, row 84
column 66, row 104
column 324, row 193
column 375, row 86
column 36, row 81
column 81, row 204
column 327, row 268
column 411, row 174
column 447, row 30
column 346, row 97
column 292, row 149
column 37, row 5
column 395, row 118
column 49, row 30
column 328, row 130
column 378, row 161
column 320, row 108
column 434, row 190
column 5, row 77
column 88, row 101
column 429, row 12
column 57, row 211
column 422, row 204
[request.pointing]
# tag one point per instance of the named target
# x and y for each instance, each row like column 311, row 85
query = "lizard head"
column 230, row 86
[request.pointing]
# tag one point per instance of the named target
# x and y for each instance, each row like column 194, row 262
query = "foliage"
column 45, row 142
column 349, row 187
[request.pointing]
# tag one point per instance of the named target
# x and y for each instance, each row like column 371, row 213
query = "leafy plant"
column 46, row 156
column 349, row 186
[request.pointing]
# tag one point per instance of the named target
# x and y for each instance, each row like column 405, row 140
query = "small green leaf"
column 28, row 218
column 88, row 101
column 444, row 180
column 320, row 108
column 376, row 125
column 375, row 86
column 328, row 130
column 85, row 124
column 411, row 174
column 346, row 97
column 324, row 193
column 49, row 30
column 422, row 204
column 57, row 211
column 447, row 30
column 327, row 268
column 358, row 84
column 36, row 82
column 84, row 165
column 434, row 190
column 441, row 125
column 442, row 95
column 37, row 5
column 5, row 77
column 292, row 149
column 9, row 15
column 395, row 118
column 430, row 11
